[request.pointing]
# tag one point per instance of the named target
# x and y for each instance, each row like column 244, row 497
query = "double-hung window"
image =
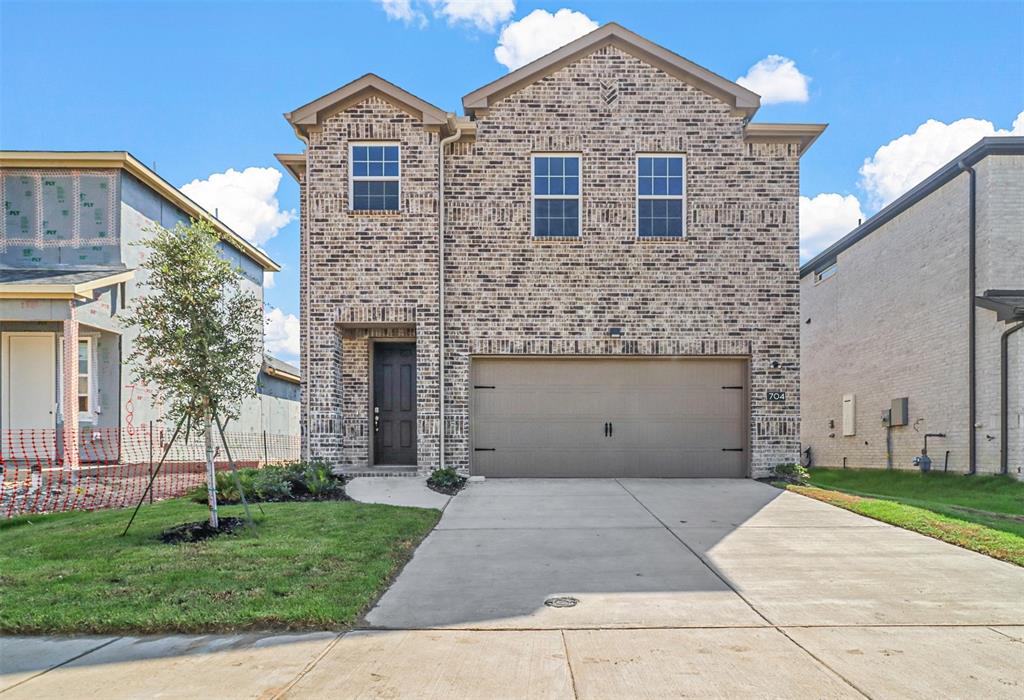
column 374, row 180
column 556, row 194
column 660, row 195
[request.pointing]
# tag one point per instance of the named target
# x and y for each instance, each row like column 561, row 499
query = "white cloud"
column 246, row 201
column 904, row 162
column 485, row 15
column 825, row 218
column 539, row 33
column 281, row 334
column 776, row 79
column 403, row 11
column 268, row 279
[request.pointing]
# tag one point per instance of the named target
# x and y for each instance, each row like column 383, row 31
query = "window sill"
column 375, row 212
column 684, row 237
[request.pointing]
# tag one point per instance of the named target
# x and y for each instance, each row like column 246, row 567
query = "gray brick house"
column 618, row 272
column 908, row 326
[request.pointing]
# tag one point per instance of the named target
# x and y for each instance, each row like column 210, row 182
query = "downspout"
column 440, row 285
column 1004, row 399
column 972, row 446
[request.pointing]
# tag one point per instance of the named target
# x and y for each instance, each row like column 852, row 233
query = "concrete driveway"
column 707, row 588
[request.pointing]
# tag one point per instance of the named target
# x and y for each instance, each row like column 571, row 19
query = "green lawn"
column 310, row 564
column 995, row 494
column 981, row 513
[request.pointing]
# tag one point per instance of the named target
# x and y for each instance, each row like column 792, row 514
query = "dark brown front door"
column 394, row 403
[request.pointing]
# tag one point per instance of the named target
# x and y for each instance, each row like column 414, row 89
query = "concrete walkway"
column 395, row 491
column 684, row 588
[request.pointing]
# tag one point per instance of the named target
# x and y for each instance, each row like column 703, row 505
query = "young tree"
column 200, row 334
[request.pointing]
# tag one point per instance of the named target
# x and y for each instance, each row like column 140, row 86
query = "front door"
column 29, row 394
column 394, row 403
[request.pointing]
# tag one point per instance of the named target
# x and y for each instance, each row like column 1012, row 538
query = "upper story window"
column 660, row 195
column 374, row 181
column 556, row 194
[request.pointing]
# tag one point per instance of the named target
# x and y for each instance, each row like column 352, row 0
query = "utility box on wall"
column 900, row 412
column 849, row 415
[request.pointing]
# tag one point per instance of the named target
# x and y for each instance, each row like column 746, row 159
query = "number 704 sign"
column 776, row 396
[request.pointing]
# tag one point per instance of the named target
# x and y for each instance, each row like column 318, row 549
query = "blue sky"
column 198, row 88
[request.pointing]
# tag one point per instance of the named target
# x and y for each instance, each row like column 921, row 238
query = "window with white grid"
column 374, row 176
column 660, row 195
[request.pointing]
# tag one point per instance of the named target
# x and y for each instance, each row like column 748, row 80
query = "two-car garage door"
column 628, row 417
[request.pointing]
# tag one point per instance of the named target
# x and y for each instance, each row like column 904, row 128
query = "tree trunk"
column 211, row 472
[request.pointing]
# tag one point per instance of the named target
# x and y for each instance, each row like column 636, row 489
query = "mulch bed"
column 447, row 489
column 199, row 531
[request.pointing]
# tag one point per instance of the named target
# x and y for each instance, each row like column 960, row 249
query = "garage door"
column 576, row 417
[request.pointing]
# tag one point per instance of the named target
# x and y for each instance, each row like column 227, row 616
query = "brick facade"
column 729, row 288
column 893, row 322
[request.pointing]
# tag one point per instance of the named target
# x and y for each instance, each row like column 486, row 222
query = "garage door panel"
column 551, row 434
column 522, row 463
column 669, row 417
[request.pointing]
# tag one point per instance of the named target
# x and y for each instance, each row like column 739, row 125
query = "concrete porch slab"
column 395, row 491
column 920, row 662
column 441, row 665
column 698, row 663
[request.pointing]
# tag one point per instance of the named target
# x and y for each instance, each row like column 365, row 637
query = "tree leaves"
column 200, row 337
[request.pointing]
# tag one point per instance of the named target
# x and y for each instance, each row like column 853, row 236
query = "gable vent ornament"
column 609, row 92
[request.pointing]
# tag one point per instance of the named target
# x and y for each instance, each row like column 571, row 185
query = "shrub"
column 446, row 480
column 320, row 482
column 294, row 474
column 281, row 482
column 227, row 491
column 794, row 473
column 270, row 484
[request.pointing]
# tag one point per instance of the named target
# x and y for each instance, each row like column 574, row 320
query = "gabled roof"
column 280, row 369
column 741, row 99
column 804, row 134
column 312, row 114
column 988, row 146
column 1007, row 303
column 295, row 163
column 126, row 161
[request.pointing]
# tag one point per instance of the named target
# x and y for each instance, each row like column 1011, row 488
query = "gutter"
column 988, row 146
column 1004, row 399
column 440, row 284
column 972, row 439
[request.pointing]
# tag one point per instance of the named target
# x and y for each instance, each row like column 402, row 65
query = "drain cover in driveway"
column 561, row 602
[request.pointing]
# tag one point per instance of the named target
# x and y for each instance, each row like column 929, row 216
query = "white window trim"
column 534, row 197
column 826, row 273
column 636, row 190
column 353, row 178
column 83, row 416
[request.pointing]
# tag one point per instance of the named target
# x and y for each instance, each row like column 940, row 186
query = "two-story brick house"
column 617, row 276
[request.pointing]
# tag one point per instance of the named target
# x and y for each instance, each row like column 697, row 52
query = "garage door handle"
column 732, row 449
column 606, row 430
column 611, row 429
